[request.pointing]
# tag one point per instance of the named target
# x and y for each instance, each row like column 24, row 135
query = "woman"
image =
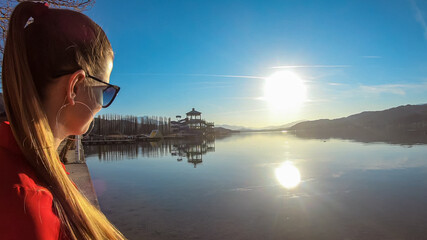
column 55, row 76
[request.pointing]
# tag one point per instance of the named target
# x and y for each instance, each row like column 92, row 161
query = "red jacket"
column 25, row 206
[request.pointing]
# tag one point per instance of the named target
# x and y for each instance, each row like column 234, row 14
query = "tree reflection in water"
column 192, row 149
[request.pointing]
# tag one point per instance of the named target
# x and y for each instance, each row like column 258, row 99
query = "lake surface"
column 263, row 186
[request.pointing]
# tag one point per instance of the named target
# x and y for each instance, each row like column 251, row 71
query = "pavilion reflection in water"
column 192, row 149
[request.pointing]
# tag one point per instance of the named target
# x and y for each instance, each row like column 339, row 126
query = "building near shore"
column 193, row 124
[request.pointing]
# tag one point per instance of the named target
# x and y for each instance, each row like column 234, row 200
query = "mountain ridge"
column 407, row 123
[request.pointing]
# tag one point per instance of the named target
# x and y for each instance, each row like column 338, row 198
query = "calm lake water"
column 263, row 186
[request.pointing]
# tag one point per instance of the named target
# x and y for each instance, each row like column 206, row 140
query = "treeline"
column 115, row 124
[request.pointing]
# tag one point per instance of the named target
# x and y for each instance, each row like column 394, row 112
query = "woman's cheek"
column 99, row 107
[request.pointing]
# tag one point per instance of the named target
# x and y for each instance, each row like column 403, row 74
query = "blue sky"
column 172, row 56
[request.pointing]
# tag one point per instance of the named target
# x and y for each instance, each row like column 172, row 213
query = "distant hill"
column 284, row 126
column 232, row 127
column 269, row 128
column 223, row 131
column 403, row 124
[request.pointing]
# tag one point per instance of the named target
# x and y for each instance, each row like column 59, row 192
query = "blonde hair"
column 33, row 54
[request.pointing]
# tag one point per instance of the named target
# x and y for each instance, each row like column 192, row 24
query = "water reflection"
column 190, row 149
column 347, row 190
column 193, row 150
column 392, row 136
column 288, row 175
column 112, row 152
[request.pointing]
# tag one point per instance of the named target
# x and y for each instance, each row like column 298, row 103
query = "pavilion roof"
column 194, row 113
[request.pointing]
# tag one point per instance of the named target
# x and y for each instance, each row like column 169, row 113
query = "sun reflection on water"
column 288, row 175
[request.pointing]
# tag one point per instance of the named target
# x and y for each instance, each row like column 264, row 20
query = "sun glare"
column 285, row 90
column 288, row 175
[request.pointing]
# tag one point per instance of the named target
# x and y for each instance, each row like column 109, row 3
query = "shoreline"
column 80, row 175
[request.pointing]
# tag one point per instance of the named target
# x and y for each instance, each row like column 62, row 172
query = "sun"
column 285, row 90
column 288, row 175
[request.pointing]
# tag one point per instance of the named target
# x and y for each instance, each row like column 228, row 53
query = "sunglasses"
column 109, row 92
column 106, row 93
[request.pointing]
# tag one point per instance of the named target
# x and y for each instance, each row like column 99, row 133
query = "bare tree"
column 7, row 6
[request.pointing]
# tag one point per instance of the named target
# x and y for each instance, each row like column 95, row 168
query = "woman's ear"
column 73, row 86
